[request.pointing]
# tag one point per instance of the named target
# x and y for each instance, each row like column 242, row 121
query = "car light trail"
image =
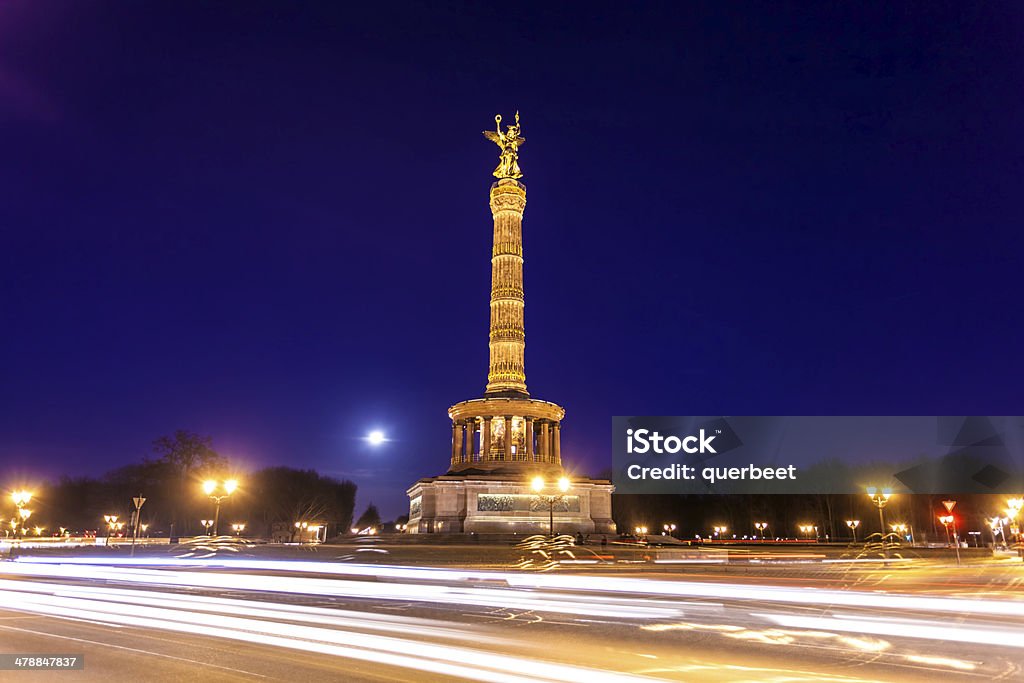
column 385, row 650
column 583, row 584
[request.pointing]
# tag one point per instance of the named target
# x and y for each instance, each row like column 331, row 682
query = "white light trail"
column 903, row 628
column 594, row 584
column 385, row 650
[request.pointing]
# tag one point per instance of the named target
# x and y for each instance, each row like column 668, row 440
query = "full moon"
column 375, row 437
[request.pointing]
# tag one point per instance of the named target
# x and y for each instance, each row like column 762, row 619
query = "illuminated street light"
column 946, row 520
column 670, row 529
column 20, row 499
column 207, row 524
column 538, row 485
column 996, row 525
column 761, row 526
column 807, row 529
column 1013, row 508
column 111, row 521
column 218, row 491
column 853, row 524
column 880, row 499
column 720, row 530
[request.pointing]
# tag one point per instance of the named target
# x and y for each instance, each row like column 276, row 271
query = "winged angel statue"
column 509, row 142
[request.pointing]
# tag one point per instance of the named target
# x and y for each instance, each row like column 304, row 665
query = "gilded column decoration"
column 529, row 439
column 506, row 375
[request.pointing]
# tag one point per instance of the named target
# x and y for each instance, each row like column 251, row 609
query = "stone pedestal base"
column 505, row 504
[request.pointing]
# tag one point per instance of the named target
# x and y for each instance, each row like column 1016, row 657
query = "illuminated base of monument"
column 494, row 503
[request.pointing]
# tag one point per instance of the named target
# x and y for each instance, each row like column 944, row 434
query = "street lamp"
column 853, row 524
column 207, row 523
column 111, row 521
column 538, row 484
column 218, row 491
column 1013, row 508
column 880, row 498
column 902, row 530
column 761, row 526
column 807, row 529
column 669, row 529
column 238, row 528
column 946, row 520
column 719, row 530
column 20, row 499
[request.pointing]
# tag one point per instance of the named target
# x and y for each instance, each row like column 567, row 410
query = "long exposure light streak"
column 596, row 584
column 386, row 650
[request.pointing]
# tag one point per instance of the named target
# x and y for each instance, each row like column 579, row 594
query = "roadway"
column 246, row 618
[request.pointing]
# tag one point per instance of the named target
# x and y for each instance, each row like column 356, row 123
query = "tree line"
column 171, row 482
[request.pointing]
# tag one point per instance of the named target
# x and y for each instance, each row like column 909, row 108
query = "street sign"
column 949, row 505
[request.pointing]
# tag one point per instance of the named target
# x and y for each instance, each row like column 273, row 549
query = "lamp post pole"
column 226, row 488
column 880, row 499
column 538, row 484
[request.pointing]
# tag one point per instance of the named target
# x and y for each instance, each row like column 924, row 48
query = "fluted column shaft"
column 507, row 371
column 556, row 443
column 529, row 439
column 470, row 439
column 485, row 452
column 456, row 442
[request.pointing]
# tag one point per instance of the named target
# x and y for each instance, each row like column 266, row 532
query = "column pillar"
column 485, row 453
column 556, row 442
column 508, row 438
column 470, row 440
column 529, row 439
column 456, row 443
column 542, row 442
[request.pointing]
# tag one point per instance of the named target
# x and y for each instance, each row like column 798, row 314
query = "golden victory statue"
column 509, row 141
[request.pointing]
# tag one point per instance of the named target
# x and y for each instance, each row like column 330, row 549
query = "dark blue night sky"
column 268, row 222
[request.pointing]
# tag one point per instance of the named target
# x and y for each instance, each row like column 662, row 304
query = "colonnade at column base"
column 500, row 432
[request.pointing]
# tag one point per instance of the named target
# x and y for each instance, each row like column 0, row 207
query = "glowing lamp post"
column 111, row 521
column 670, row 529
column 1013, row 508
column 20, row 499
column 238, row 529
column 719, row 530
column 853, row 524
column 761, row 526
column 218, row 491
column 807, row 529
column 880, row 498
column 538, row 485
column 207, row 524
column 902, row 530
column 946, row 520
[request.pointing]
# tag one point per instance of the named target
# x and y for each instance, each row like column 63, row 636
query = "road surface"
column 247, row 619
